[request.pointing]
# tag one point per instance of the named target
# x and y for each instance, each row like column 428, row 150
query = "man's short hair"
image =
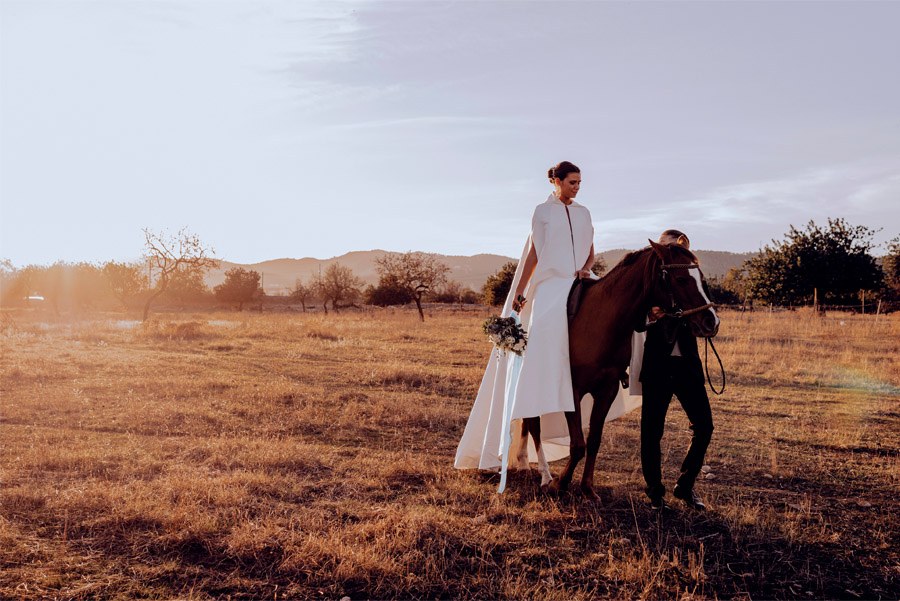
column 680, row 237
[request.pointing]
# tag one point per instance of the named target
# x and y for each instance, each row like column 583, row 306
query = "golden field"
column 253, row 456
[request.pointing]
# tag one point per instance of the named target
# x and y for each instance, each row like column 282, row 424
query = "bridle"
column 673, row 310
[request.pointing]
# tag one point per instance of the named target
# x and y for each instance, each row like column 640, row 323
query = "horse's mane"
column 626, row 261
column 636, row 255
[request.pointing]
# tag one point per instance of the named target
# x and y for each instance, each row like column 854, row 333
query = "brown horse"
column 666, row 276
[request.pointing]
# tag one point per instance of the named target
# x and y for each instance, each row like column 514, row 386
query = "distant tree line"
column 173, row 271
column 831, row 265
column 824, row 265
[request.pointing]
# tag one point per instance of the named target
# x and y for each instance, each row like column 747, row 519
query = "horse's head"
column 682, row 289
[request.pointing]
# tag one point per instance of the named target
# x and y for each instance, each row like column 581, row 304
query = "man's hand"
column 655, row 314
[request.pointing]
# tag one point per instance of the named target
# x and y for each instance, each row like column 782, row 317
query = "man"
column 671, row 365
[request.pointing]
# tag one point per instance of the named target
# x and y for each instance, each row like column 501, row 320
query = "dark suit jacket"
column 661, row 337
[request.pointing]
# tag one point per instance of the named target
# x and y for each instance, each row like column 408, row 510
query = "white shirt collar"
column 554, row 199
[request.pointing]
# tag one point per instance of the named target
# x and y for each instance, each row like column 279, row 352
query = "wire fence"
column 870, row 308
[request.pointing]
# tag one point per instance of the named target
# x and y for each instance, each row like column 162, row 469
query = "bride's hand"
column 518, row 303
column 584, row 274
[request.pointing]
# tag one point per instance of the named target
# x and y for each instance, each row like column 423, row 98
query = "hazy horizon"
column 137, row 259
column 314, row 129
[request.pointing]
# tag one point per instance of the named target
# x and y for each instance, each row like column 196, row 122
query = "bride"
column 559, row 249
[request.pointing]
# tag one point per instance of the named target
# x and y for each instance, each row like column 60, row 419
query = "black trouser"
column 683, row 378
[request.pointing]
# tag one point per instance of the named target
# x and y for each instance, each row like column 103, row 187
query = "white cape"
column 481, row 446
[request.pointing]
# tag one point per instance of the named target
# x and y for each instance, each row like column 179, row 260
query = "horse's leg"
column 576, row 447
column 534, row 427
column 604, row 394
column 521, row 462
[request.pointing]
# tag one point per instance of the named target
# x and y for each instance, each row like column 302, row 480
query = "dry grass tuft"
column 174, row 331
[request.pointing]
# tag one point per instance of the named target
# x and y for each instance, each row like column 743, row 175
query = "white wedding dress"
column 544, row 383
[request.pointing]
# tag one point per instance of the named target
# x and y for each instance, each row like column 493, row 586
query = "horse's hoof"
column 555, row 488
column 589, row 494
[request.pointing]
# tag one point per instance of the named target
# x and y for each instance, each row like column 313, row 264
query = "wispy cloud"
column 854, row 191
column 841, row 188
column 437, row 121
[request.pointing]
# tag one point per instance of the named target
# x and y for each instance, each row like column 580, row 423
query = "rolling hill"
column 279, row 275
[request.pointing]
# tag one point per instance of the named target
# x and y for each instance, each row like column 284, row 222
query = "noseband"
column 674, row 310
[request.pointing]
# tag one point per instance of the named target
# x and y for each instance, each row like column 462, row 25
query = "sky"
column 311, row 129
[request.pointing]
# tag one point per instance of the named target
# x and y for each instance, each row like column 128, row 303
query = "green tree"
column 835, row 261
column 187, row 285
column 891, row 266
column 719, row 294
column 73, row 286
column 240, row 286
column 125, row 281
column 735, row 282
column 17, row 285
column 496, row 288
column 387, row 294
column 599, row 267
column 9, row 275
column 450, row 292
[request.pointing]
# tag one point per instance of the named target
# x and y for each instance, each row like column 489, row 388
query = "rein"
column 680, row 313
column 709, row 343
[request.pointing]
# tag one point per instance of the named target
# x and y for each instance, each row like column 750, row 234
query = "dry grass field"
column 251, row 456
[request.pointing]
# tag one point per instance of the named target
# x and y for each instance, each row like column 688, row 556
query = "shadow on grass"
column 741, row 556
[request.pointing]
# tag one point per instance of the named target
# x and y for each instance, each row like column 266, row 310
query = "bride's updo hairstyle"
column 562, row 170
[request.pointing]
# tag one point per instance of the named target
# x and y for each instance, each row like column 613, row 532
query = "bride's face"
column 568, row 188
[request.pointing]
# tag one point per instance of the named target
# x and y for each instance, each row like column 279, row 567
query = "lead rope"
column 709, row 343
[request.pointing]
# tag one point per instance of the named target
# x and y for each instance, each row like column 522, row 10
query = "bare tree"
column 171, row 254
column 337, row 284
column 414, row 271
column 302, row 292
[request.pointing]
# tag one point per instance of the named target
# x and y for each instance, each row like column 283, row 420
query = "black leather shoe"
column 657, row 495
column 690, row 498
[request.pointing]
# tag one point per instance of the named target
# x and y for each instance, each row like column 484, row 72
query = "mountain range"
column 280, row 275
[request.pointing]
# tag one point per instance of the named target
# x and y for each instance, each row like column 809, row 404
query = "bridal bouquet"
column 506, row 333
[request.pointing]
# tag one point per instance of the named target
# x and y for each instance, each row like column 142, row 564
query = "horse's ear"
column 658, row 249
